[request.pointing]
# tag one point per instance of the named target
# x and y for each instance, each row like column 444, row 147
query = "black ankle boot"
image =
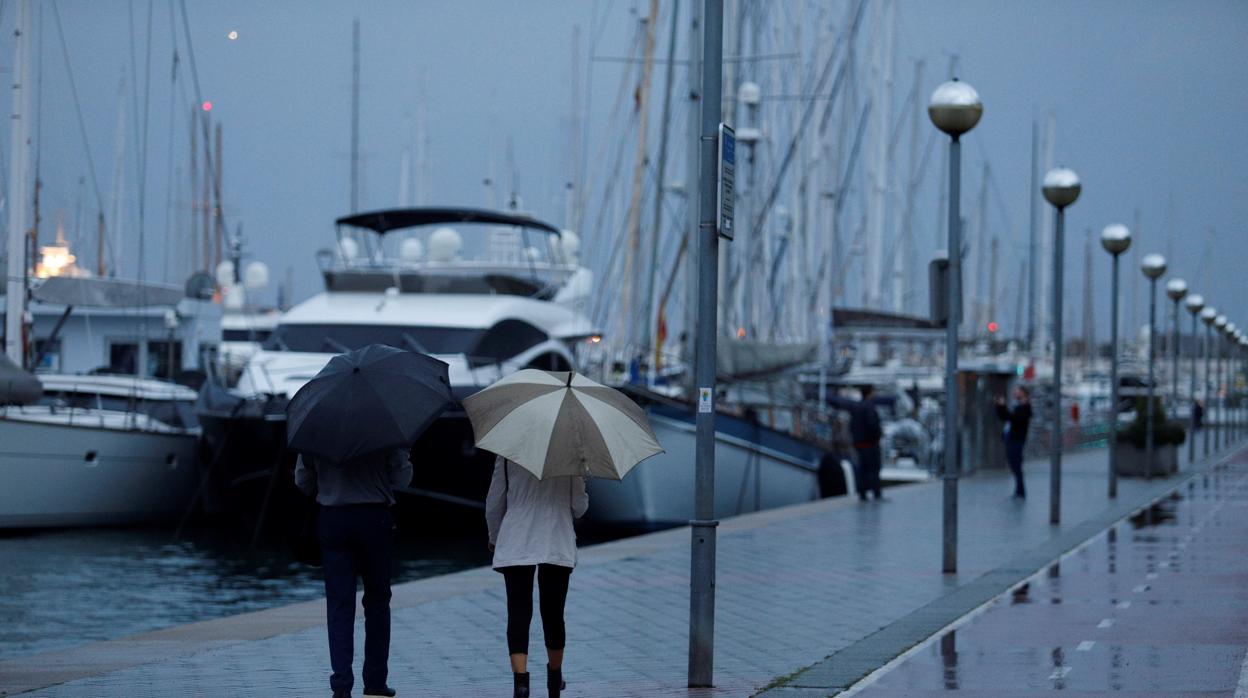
column 522, row 685
column 554, row 681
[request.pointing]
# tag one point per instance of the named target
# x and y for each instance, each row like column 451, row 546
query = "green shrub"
column 1166, row 432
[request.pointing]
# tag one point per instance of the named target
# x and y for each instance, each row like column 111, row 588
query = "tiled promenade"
column 836, row 577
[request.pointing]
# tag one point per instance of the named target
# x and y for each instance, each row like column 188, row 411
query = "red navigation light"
column 992, row 327
column 206, row 106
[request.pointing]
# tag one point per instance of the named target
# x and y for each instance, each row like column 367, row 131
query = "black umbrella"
column 365, row 401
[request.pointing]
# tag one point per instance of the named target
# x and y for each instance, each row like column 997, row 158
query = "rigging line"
column 82, row 128
column 774, row 191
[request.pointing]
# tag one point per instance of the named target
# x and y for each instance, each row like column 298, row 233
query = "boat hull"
column 755, row 468
column 54, row 475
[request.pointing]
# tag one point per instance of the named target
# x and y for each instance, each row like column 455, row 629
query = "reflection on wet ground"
column 1157, row 605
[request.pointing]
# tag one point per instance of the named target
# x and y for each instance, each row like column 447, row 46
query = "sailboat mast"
column 633, row 224
column 648, row 319
column 19, row 154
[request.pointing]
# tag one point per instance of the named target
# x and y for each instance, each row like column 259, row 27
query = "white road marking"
column 1105, row 623
column 1151, row 575
column 1085, row 646
column 1140, row 589
column 1059, row 673
column 1124, row 604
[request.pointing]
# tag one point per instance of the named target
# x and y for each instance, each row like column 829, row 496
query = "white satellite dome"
column 412, row 250
column 234, row 297
column 571, row 244
column 348, row 248
column 444, row 245
column 256, row 275
column 225, row 273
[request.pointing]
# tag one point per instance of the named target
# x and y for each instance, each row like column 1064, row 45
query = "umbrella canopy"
column 555, row 423
column 372, row 399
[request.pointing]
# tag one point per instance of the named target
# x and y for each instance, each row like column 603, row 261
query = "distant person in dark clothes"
column 355, row 529
column 1198, row 415
column 864, row 429
column 1017, row 421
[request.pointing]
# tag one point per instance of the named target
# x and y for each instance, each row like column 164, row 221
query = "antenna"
column 355, row 115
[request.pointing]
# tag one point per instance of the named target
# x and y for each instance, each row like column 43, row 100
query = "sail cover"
column 104, row 293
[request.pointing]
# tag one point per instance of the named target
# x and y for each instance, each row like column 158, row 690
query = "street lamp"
column 1061, row 188
column 1176, row 289
column 1153, row 266
column 1115, row 238
column 1208, row 316
column 1195, row 303
column 1219, row 324
column 954, row 108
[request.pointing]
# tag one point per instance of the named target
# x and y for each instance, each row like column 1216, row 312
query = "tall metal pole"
column 1218, row 343
column 1174, row 358
column 954, row 108
column 1191, row 441
column 949, row 518
column 702, row 552
column 1113, row 381
column 1152, row 370
column 1055, row 457
column 1208, row 383
column 19, row 154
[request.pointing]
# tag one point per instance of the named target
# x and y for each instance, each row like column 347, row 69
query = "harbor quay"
column 812, row 598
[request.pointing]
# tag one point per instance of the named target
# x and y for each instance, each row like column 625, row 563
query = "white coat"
column 530, row 520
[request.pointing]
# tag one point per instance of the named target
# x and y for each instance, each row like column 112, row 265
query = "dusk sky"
column 1149, row 99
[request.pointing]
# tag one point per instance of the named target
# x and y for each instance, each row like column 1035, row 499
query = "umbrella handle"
column 569, row 383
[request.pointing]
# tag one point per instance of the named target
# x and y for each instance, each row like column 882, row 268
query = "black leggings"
column 552, row 583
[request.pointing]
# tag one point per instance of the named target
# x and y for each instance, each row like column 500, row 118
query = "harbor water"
column 69, row 587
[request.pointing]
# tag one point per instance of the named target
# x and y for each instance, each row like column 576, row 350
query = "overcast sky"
column 1150, row 100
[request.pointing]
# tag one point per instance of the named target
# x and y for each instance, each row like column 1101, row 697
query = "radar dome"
column 225, row 273
column 412, row 250
column 444, row 245
column 256, row 275
column 571, row 244
column 348, row 248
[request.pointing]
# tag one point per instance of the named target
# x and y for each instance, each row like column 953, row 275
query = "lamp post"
column 1116, row 239
column 1208, row 316
column 1219, row 324
column 1153, row 266
column 1176, row 289
column 954, row 108
column 1195, row 303
column 1228, row 362
column 1061, row 188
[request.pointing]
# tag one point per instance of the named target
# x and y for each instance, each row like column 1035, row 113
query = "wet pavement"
column 1155, row 605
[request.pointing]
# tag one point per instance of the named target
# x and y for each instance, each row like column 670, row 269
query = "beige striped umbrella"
column 555, row 423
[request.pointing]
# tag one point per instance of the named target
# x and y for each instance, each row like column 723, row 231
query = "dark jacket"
column 1017, row 421
column 371, row 479
column 864, row 421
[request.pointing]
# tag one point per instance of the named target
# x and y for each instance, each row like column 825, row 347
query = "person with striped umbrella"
column 550, row 431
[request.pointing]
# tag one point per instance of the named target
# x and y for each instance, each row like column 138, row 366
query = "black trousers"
column 357, row 542
column 1014, row 457
column 552, row 581
column 868, row 470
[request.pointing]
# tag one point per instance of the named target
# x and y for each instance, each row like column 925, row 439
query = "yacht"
column 487, row 292
column 97, row 450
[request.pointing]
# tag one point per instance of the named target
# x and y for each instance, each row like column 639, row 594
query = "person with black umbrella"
column 353, row 426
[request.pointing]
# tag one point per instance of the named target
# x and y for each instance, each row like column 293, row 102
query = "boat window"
column 164, row 359
column 123, row 358
column 245, row 335
column 507, row 339
column 342, row 338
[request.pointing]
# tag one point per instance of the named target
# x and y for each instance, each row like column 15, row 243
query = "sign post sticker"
column 705, row 405
column 727, row 179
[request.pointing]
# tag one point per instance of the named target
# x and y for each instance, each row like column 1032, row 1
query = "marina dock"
column 811, row 598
